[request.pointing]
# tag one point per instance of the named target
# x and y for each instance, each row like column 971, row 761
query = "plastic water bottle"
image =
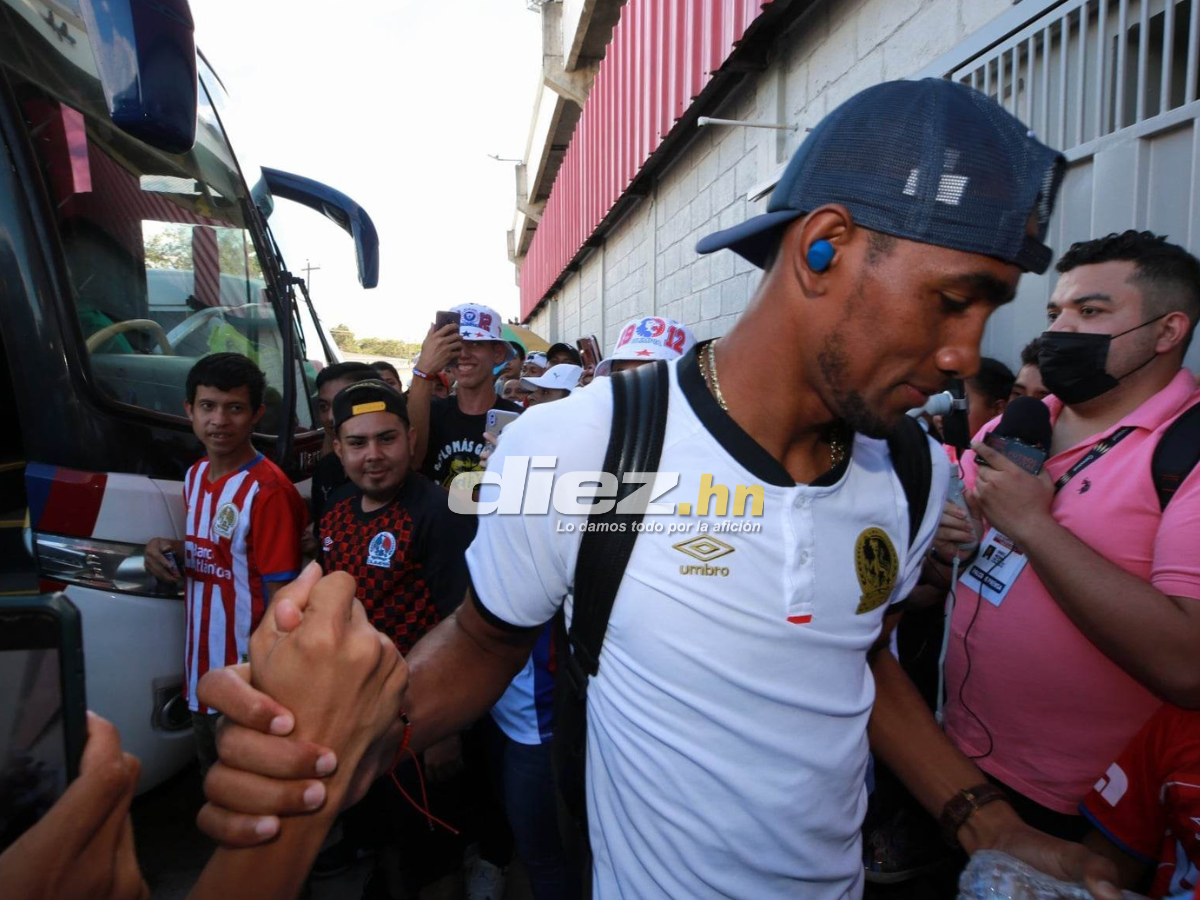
column 997, row 876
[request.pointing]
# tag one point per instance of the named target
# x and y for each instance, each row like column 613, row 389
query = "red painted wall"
column 662, row 54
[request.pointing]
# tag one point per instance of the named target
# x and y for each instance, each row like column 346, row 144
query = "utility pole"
column 308, row 270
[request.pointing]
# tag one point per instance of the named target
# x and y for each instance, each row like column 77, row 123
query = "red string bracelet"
column 404, row 741
column 423, row 806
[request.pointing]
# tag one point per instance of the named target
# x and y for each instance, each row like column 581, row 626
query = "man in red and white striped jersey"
column 244, row 519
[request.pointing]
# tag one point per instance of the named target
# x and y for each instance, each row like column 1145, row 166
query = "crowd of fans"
column 1052, row 629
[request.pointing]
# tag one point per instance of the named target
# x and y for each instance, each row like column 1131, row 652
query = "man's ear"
column 337, row 447
column 1173, row 329
column 412, row 440
column 832, row 223
column 187, row 408
column 259, row 413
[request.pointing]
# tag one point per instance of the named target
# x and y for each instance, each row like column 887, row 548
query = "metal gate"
column 1114, row 85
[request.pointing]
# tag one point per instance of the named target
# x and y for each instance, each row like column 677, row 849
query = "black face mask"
column 1074, row 366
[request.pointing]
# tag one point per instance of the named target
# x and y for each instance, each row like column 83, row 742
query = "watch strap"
column 963, row 805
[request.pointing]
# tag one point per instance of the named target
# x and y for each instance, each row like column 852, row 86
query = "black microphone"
column 1023, row 434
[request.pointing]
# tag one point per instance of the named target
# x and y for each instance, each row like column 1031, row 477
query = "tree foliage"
column 169, row 246
column 374, row 346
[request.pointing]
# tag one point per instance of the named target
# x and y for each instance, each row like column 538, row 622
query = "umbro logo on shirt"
column 705, row 549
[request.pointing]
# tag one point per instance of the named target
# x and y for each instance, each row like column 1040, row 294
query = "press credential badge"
column 995, row 569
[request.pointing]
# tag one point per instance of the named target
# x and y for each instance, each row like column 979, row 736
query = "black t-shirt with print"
column 456, row 439
column 328, row 476
column 408, row 557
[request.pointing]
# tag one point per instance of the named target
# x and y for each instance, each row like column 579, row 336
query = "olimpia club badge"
column 381, row 549
column 876, row 565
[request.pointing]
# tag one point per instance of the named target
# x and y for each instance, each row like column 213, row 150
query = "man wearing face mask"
column 1095, row 619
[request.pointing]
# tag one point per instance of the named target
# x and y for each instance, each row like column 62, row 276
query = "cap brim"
column 603, row 367
column 753, row 240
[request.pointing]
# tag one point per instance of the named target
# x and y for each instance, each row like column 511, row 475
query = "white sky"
column 396, row 103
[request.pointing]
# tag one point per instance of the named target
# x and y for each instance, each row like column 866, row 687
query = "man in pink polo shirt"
column 1092, row 620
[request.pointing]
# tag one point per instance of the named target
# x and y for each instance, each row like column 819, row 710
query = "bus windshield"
column 160, row 249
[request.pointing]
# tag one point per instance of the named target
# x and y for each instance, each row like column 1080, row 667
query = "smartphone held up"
column 43, row 709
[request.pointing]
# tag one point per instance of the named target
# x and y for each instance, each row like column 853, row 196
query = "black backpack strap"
column 635, row 445
column 1177, row 453
column 909, row 447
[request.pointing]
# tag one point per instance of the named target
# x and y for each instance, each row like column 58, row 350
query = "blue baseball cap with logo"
column 931, row 161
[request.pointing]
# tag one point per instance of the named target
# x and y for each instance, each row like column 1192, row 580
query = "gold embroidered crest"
column 225, row 521
column 876, row 565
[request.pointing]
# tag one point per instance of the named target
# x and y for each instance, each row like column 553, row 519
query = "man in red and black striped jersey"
column 244, row 518
column 393, row 531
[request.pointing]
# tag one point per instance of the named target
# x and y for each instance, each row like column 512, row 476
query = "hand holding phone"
column 442, row 344
column 162, row 559
column 42, row 699
column 84, row 845
column 497, row 419
column 443, row 317
column 589, row 349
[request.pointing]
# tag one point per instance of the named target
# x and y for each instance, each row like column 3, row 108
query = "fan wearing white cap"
column 555, row 384
column 646, row 339
column 450, row 430
column 535, row 364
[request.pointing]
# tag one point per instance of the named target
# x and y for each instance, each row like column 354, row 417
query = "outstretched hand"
column 268, row 766
column 1065, row 861
column 1060, row 859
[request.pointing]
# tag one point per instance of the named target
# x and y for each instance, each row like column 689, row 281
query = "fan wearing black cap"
column 328, row 475
column 392, row 531
column 728, row 719
column 563, row 353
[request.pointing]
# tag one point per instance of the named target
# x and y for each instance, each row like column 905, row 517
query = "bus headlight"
column 104, row 565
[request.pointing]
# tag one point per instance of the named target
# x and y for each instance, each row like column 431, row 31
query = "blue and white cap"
column 931, row 161
column 478, row 322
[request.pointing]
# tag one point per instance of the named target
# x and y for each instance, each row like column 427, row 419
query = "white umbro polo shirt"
column 727, row 743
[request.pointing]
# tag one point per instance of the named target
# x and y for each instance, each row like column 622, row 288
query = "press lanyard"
column 1092, row 455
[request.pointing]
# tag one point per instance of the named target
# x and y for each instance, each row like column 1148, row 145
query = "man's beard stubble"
column 849, row 404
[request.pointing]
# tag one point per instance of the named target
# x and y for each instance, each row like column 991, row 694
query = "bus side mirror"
column 145, row 53
column 339, row 208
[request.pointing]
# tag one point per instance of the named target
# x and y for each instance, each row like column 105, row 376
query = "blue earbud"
column 820, row 255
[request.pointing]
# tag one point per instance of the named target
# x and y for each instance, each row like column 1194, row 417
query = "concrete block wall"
column 648, row 264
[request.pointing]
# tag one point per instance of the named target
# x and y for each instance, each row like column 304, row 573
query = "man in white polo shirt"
column 727, row 725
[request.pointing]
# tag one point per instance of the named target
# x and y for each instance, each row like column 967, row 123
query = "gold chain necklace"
column 708, row 368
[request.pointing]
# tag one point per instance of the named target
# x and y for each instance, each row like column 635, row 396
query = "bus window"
column 162, row 266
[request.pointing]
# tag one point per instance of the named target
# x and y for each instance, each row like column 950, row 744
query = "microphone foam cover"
column 1027, row 420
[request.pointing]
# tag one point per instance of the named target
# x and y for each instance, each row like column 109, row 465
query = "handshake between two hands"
column 311, row 721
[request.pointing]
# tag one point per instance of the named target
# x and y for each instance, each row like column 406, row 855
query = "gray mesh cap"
column 930, row 161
